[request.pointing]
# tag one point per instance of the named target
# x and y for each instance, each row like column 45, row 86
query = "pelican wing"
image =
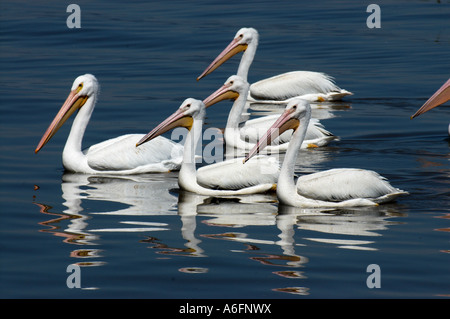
column 296, row 83
column 121, row 153
column 345, row 183
column 234, row 174
column 316, row 133
column 254, row 129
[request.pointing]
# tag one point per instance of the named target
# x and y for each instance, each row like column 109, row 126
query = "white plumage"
column 226, row 178
column 313, row 86
column 114, row 156
column 244, row 135
column 341, row 187
column 120, row 154
column 353, row 183
column 263, row 170
column 316, row 134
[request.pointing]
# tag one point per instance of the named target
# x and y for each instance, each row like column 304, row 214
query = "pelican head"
column 83, row 88
column 233, row 87
column 243, row 38
column 183, row 117
column 439, row 97
column 289, row 119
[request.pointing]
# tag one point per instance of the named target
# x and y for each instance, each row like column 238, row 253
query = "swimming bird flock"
column 258, row 170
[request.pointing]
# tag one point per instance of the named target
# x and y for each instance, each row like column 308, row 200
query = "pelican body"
column 113, row 156
column 344, row 187
column 225, row 178
column 245, row 135
column 439, row 97
column 313, row 86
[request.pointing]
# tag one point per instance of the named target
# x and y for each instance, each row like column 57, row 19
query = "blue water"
column 140, row 236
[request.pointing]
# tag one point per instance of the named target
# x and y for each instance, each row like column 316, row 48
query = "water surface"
column 140, row 236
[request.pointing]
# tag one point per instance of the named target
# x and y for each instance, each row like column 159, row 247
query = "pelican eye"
column 80, row 87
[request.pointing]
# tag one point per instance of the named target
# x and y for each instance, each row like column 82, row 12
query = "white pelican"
column 332, row 188
column 313, row 86
column 225, row 178
column 439, row 97
column 245, row 136
column 113, row 156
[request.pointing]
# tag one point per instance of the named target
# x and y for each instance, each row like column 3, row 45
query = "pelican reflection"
column 265, row 231
column 131, row 197
column 359, row 225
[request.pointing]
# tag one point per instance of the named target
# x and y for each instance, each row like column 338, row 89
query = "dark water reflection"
column 143, row 200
